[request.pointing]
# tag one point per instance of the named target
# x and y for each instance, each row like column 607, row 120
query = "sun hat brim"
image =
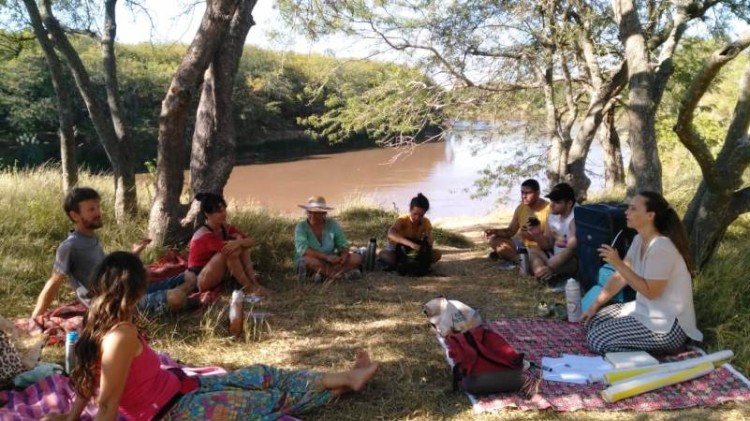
column 315, row 207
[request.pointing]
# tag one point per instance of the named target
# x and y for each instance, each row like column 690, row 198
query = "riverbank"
column 315, row 328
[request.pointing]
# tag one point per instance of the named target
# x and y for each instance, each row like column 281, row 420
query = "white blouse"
column 662, row 261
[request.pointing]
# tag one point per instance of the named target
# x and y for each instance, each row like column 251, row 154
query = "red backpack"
column 484, row 362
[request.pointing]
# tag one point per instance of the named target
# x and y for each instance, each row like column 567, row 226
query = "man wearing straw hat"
column 321, row 248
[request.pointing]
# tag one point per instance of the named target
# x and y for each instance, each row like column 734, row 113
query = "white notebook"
column 630, row 359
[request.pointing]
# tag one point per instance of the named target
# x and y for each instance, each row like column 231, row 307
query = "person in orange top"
column 408, row 230
column 530, row 217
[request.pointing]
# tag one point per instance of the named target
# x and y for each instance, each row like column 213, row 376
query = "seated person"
column 531, row 209
column 556, row 254
column 77, row 256
column 408, row 230
column 219, row 250
column 118, row 369
column 657, row 266
column 320, row 246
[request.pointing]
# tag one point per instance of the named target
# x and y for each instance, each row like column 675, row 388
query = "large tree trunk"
column 166, row 225
column 708, row 218
column 65, row 112
column 614, row 172
column 601, row 104
column 116, row 151
column 722, row 196
column 126, row 201
column 645, row 167
column 213, row 147
column 558, row 151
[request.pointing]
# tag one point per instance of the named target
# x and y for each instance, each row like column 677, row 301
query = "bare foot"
column 359, row 377
column 362, row 359
column 257, row 290
column 261, row 290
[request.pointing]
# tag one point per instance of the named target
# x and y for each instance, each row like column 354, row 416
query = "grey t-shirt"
column 76, row 258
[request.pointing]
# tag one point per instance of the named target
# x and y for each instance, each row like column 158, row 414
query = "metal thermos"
column 523, row 262
column 70, row 350
column 372, row 247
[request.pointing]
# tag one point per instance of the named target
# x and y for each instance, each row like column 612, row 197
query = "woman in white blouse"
column 657, row 267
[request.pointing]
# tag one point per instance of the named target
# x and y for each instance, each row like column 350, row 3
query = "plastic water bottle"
column 523, row 262
column 573, row 300
column 236, row 312
column 372, row 247
column 70, row 350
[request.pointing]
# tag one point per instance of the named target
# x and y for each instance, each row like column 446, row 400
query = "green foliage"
column 712, row 114
column 277, row 96
column 722, row 295
column 383, row 102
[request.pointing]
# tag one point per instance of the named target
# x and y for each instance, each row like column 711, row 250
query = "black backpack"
column 409, row 263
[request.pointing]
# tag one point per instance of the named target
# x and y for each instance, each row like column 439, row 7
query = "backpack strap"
column 473, row 343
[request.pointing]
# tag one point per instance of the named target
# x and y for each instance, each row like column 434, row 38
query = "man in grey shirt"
column 78, row 256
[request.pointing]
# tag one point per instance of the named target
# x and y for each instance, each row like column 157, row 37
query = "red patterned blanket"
column 539, row 338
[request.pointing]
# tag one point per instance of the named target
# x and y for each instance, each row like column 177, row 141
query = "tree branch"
column 741, row 201
column 685, row 129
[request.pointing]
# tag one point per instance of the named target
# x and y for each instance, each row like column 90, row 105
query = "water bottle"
column 70, row 350
column 372, row 247
column 236, row 312
column 573, row 300
column 523, row 261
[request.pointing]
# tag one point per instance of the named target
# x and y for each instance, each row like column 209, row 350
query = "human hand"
column 139, row 246
column 489, row 232
column 545, row 273
column 333, row 259
column 231, row 246
column 609, row 255
column 588, row 314
column 534, row 230
column 526, row 234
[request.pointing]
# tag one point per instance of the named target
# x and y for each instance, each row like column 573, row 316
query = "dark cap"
column 562, row 191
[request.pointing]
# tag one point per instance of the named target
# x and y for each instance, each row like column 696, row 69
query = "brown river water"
column 443, row 171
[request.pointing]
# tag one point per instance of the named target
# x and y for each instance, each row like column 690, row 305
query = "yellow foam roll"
column 652, row 381
column 620, row 375
column 716, row 358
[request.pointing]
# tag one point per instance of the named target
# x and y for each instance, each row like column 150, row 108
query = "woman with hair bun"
column 218, row 249
column 658, row 267
column 408, row 230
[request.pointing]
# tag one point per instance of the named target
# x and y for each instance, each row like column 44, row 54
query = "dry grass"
column 311, row 327
column 320, row 329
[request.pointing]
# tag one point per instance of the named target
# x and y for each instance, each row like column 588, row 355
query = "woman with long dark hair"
column 116, row 366
column 218, row 249
column 658, row 267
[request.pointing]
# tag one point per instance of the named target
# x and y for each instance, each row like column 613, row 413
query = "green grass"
column 320, row 328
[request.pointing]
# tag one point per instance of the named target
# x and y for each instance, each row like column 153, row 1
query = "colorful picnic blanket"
column 538, row 338
column 54, row 394
column 69, row 316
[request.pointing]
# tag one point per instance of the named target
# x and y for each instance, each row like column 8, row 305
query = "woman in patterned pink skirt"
column 118, row 368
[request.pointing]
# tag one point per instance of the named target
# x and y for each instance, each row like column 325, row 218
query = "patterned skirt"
column 258, row 392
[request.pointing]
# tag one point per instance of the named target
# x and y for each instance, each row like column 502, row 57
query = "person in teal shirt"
column 321, row 248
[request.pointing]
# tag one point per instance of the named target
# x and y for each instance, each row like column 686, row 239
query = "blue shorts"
column 155, row 300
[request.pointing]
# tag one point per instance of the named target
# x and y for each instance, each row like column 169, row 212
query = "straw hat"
column 316, row 204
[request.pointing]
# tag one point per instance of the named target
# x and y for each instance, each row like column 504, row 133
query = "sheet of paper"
column 576, row 369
